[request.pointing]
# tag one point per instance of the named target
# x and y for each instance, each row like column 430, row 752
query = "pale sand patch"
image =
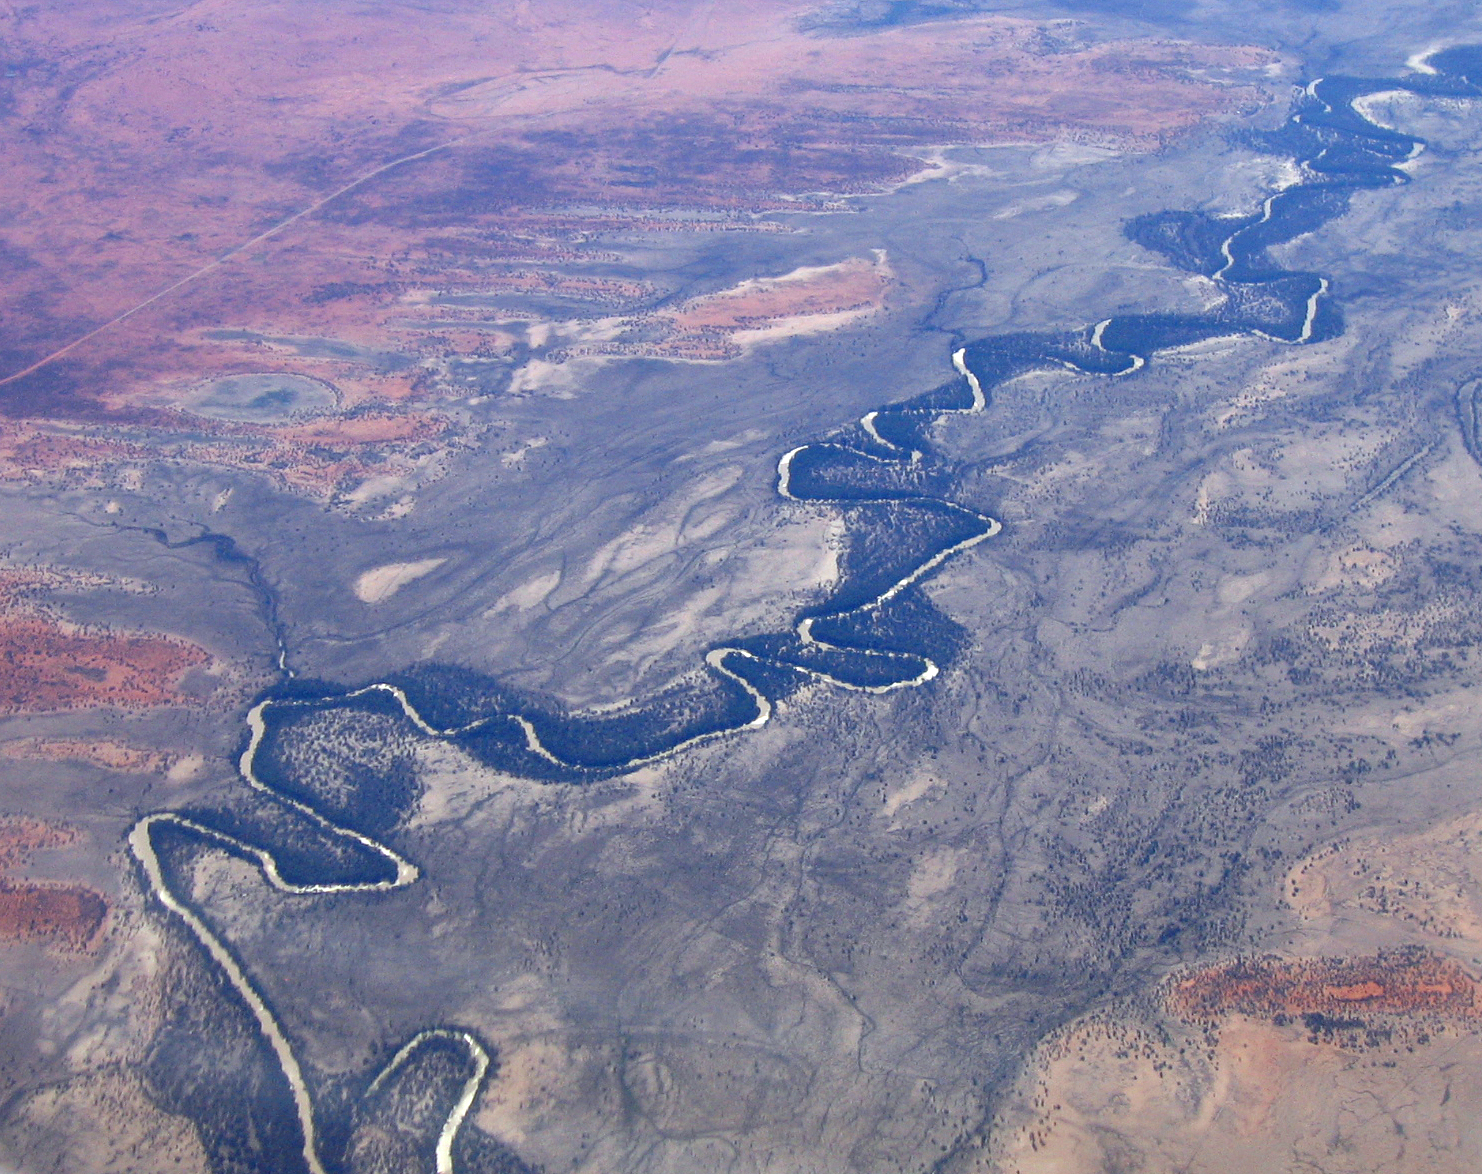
column 516, row 456
column 186, row 769
column 1039, row 204
column 799, row 325
column 1225, row 647
column 933, row 876
column 528, row 594
column 374, row 487
column 939, row 164
column 716, row 447
column 813, row 292
column 1238, row 589
column 399, row 508
column 559, row 379
column 646, row 541
column 906, row 794
column 381, row 583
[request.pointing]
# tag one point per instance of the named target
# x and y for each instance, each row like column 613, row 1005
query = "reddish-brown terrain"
column 67, row 915
column 721, row 325
column 61, row 914
column 104, row 754
column 1396, row 982
column 173, row 173
column 48, row 664
column 716, row 326
column 21, row 837
column 314, row 459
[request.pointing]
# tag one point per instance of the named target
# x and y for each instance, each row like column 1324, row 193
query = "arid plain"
column 462, row 348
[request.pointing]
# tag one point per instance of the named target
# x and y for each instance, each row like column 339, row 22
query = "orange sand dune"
column 1394, row 982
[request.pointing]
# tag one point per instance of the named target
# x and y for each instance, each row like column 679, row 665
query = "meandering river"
column 877, row 633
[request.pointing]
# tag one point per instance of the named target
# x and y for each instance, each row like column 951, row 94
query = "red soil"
column 61, row 914
column 67, row 915
column 20, row 837
column 316, row 459
column 1394, row 982
column 146, row 141
column 44, row 666
column 850, row 285
column 47, row 664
